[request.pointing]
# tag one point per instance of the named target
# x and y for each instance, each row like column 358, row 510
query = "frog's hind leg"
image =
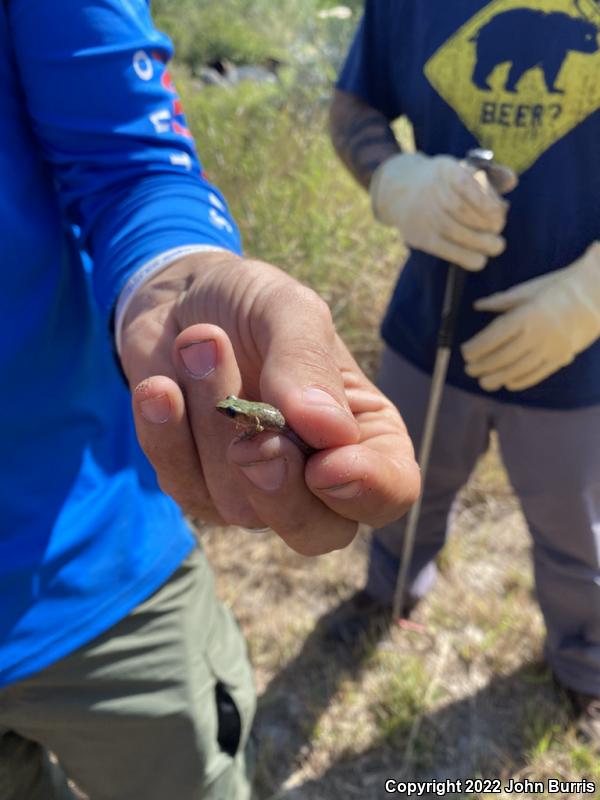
column 248, row 431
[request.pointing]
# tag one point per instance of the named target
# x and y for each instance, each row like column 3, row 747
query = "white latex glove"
column 443, row 206
column 548, row 321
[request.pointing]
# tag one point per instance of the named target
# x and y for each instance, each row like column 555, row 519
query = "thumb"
column 511, row 298
column 303, row 370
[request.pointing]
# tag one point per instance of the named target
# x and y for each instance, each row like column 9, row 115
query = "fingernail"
column 266, row 475
column 319, row 397
column 156, row 410
column 345, row 491
column 199, row 358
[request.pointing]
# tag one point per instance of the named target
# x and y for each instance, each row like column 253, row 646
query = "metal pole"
column 480, row 159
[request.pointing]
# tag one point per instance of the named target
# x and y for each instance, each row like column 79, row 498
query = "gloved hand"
column 549, row 320
column 443, row 206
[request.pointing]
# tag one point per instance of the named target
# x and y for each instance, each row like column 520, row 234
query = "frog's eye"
column 231, row 412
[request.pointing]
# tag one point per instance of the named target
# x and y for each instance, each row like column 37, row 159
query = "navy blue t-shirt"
column 520, row 78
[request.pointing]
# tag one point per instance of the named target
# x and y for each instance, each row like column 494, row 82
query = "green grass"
column 401, row 700
column 400, row 693
column 251, row 31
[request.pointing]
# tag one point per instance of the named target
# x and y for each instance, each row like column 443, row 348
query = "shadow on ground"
column 491, row 732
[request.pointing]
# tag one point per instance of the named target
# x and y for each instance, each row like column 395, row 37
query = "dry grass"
column 467, row 697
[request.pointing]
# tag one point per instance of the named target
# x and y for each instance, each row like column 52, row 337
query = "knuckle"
column 307, row 548
column 316, row 305
column 445, row 202
column 187, row 504
column 186, row 493
column 315, row 356
column 461, row 209
column 494, row 223
column 300, row 296
column 181, row 494
column 464, row 178
column 203, row 513
column 446, row 228
column 242, row 518
column 449, row 166
column 307, row 306
column 436, row 245
column 205, row 516
column 498, row 221
column 498, row 245
column 468, row 259
column 475, row 261
column 312, row 536
column 310, row 545
column 440, row 164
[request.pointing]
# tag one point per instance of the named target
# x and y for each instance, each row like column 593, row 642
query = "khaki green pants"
column 158, row 707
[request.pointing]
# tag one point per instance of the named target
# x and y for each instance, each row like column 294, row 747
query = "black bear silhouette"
column 549, row 38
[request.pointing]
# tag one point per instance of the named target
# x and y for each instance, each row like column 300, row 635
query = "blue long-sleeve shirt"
column 96, row 165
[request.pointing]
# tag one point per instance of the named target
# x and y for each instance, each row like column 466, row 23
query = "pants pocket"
column 229, row 730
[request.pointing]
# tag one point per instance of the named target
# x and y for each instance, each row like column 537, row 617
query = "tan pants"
column 159, row 706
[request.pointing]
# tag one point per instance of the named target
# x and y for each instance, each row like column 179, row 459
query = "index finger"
column 495, row 335
column 208, row 371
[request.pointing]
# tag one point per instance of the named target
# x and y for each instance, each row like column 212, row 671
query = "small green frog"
column 256, row 417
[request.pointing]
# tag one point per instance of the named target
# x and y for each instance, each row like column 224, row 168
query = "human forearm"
column 361, row 136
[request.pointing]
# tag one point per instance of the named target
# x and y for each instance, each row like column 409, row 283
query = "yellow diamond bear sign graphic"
column 521, row 75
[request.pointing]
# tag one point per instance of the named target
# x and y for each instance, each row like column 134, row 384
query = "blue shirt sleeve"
column 368, row 70
column 109, row 121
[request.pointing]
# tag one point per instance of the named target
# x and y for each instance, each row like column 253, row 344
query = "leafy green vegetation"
column 237, row 30
column 245, row 31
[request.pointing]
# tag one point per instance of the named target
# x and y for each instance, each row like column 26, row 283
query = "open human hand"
column 545, row 323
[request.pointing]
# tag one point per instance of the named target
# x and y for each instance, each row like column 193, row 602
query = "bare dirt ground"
column 467, row 697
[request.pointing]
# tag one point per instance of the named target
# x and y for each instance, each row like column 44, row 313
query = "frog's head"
column 228, row 406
